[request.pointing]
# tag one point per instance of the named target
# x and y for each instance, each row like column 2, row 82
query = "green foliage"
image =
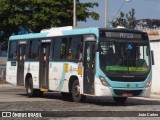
column 125, row 20
column 35, row 15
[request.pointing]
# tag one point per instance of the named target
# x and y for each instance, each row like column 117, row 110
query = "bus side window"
column 69, row 50
column 76, row 47
column 13, row 50
column 63, row 48
column 34, row 50
column 57, row 48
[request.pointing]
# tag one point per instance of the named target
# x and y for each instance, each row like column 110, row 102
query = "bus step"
column 43, row 89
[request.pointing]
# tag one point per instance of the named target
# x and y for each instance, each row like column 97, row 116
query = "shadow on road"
column 101, row 101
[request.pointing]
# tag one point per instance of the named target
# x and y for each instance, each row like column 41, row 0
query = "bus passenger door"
column 20, row 69
column 44, row 66
column 89, row 67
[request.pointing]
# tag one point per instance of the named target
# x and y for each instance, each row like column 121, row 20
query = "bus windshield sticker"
column 116, row 68
column 119, row 68
column 130, row 46
column 66, row 68
column 137, row 69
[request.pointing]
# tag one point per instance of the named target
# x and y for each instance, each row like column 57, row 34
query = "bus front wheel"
column 77, row 97
column 120, row 99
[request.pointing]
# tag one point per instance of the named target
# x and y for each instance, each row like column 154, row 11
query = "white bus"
column 81, row 62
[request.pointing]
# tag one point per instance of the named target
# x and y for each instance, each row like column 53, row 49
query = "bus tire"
column 29, row 88
column 120, row 100
column 76, row 96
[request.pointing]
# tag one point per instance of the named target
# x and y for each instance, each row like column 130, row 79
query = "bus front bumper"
column 101, row 90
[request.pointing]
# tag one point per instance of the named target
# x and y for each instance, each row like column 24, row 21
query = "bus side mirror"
column 152, row 55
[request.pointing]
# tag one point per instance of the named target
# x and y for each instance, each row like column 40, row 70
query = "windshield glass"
column 124, row 58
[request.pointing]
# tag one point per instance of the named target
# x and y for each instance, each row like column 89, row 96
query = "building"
column 154, row 36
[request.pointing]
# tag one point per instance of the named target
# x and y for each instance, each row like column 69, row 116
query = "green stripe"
column 118, row 68
column 137, row 69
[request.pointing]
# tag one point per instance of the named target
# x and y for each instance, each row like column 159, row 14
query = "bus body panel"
column 33, row 69
column 11, row 74
column 60, row 74
column 56, row 76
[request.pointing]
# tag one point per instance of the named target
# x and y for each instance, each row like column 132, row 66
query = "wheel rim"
column 29, row 88
column 76, row 91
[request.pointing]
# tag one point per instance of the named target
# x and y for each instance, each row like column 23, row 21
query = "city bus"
column 81, row 62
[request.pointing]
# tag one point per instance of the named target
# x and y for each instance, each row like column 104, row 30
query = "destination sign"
column 123, row 35
column 45, row 41
column 22, row 42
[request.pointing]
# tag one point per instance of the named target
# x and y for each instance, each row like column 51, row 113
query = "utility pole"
column 74, row 14
column 106, row 14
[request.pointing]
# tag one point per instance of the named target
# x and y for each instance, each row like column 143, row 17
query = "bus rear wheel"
column 77, row 97
column 30, row 91
column 120, row 100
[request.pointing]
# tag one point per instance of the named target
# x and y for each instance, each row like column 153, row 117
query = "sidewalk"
column 155, row 95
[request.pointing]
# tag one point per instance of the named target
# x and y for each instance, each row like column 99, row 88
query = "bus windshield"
column 125, row 58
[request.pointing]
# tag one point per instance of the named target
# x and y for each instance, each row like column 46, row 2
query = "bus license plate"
column 127, row 95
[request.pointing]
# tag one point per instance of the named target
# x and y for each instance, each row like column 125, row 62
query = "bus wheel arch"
column 71, row 81
column 74, row 89
column 30, row 91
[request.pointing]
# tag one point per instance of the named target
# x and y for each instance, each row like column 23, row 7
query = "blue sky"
column 143, row 8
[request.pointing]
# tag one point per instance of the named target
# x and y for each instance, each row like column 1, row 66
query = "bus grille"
column 133, row 92
column 127, row 79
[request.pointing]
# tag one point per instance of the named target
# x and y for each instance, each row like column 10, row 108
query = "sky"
column 143, row 9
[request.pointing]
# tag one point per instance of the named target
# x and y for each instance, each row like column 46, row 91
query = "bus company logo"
column 6, row 114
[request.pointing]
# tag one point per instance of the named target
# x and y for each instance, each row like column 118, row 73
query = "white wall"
column 155, row 46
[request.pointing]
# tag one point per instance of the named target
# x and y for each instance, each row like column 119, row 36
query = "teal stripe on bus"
column 82, row 31
column 28, row 36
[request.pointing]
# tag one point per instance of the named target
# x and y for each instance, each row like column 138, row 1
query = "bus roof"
column 62, row 31
column 56, row 32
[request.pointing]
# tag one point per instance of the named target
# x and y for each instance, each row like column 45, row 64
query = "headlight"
column 148, row 84
column 103, row 81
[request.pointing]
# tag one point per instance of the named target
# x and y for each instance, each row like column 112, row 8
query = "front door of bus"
column 89, row 67
column 20, row 69
column 44, row 66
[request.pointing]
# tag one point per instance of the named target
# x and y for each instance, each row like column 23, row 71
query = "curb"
column 155, row 96
column 6, row 85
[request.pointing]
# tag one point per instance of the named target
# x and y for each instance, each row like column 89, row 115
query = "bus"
column 81, row 62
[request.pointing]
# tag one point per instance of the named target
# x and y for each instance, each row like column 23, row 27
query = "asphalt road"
column 15, row 99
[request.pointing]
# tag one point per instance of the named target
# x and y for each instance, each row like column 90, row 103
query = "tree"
column 125, row 20
column 35, row 15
